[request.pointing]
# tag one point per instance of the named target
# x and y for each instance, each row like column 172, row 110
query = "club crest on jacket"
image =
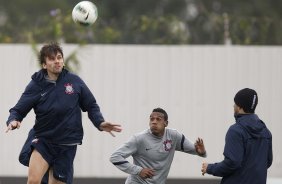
column 167, row 145
column 69, row 89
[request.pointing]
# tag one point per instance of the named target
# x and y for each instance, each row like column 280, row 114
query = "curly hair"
column 48, row 50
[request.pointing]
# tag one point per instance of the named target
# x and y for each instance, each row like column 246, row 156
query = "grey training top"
column 150, row 151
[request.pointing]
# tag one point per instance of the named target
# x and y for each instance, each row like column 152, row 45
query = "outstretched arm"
column 185, row 145
column 23, row 106
column 233, row 156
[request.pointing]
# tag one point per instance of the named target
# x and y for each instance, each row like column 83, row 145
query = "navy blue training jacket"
column 57, row 106
column 247, row 152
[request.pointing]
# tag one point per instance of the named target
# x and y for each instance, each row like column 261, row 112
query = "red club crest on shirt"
column 167, row 145
column 69, row 89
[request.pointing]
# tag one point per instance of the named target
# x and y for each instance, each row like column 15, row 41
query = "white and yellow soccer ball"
column 85, row 13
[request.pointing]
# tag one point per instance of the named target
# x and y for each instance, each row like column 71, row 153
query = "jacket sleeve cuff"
column 9, row 121
column 210, row 168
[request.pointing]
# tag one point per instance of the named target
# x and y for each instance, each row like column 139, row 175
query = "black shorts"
column 59, row 157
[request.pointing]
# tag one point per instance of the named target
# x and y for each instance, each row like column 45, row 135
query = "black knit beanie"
column 247, row 99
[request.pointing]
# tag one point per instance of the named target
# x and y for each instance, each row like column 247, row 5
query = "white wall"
column 195, row 84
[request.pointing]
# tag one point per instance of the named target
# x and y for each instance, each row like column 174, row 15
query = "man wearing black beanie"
column 248, row 145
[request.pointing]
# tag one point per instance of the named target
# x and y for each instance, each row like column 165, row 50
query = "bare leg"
column 37, row 168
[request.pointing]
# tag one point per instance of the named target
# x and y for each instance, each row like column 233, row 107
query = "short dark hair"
column 49, row 50
column 160, row 110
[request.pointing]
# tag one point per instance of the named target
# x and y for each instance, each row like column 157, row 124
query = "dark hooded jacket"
column 57, row 106
column 247, row 152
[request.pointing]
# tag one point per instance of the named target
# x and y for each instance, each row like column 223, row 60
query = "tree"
column 253, row 22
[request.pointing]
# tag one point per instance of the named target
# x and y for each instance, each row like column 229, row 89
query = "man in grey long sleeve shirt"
column 153, row 151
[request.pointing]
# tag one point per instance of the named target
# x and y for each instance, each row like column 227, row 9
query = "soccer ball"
column 85, row 13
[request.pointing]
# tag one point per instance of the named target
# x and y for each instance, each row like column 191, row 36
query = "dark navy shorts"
column 59, row 157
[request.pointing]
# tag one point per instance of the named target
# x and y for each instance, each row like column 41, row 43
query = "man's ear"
column 44, row 66
column 166, row 123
